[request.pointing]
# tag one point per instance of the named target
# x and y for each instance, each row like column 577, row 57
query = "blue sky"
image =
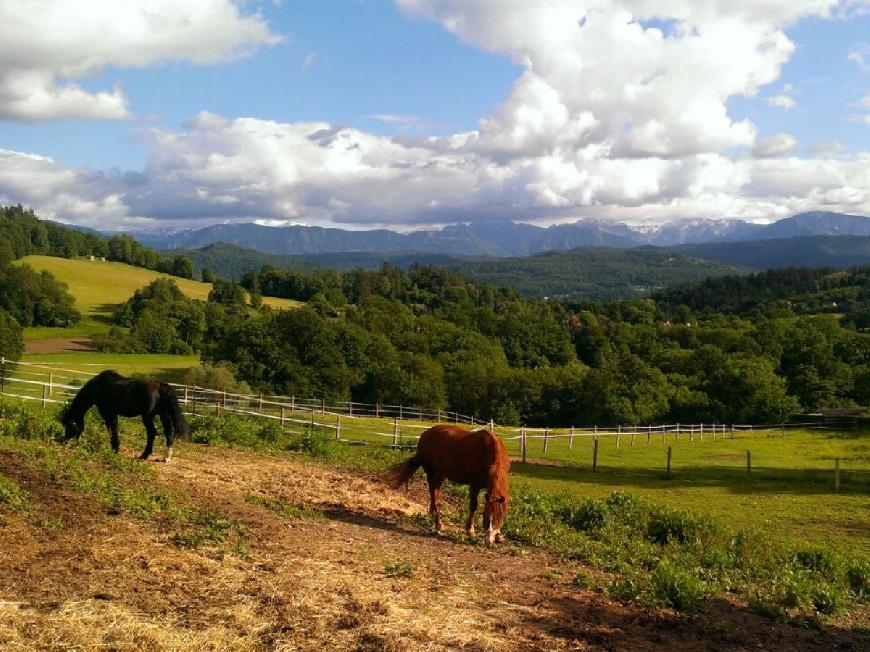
column 516, row 110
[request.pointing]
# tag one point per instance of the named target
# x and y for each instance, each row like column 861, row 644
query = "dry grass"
column 98, row 580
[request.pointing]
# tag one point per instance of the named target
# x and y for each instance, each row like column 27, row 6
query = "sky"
column 417, row 113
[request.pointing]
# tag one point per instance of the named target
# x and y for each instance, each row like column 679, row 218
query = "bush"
column 590, row 515
column 666, row 525
column 815, row 559
column 677, row 587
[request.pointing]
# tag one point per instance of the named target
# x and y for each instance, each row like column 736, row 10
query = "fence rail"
column 353, row 421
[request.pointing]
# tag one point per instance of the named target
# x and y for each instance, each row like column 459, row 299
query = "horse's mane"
column 498, row 479
column 83, row 399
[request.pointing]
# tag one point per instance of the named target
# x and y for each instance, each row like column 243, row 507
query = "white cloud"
column 614, row 116
column 775, row 145
column 781, row 102
column 49, row 44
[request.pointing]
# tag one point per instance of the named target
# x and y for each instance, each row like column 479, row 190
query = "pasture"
column 263, row 539
column 99, row 286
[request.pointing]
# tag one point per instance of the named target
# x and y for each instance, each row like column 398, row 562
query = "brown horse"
column 477, row 458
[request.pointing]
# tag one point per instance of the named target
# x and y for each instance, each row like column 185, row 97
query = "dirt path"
column 58, row 345
column 331, row 562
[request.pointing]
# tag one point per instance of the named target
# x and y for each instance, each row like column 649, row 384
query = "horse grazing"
column 477, row 458
column 114, row 395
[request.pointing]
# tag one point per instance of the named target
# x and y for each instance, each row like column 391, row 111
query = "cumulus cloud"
column 49, row 45
column 620, row 112
column 775, row 145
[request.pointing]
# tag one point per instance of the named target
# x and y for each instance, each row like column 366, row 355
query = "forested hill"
column 805, row 251
column 793, row 291
column 583, row 273
column 600, row 274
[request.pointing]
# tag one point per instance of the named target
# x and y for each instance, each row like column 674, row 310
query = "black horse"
column 114, row 395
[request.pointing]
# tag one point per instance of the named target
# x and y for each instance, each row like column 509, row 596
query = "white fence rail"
column 359, row 422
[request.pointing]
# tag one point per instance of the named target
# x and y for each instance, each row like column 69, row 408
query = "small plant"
column 858, row 578
column 827, row 599
column 400, row 570
column 13, row 496
column 677, row 587
column 591, row 515
column 815, row 559
column 206, row 527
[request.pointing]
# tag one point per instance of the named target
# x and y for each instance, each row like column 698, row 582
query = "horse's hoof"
column 470, row 532
column 499, row 537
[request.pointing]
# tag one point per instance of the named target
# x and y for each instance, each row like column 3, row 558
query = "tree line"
column 430, row 337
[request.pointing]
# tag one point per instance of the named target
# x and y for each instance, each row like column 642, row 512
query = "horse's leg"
column 473, row 493
column 112, row 426
column 168, row 433
column 148, row 420
column 435, row 483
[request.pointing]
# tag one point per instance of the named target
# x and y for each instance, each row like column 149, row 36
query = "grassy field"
column 156, row 364
column 99, row 286
column 790, row 493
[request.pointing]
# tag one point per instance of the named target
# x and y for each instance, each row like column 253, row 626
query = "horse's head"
column 494, row 512
column 72, row 427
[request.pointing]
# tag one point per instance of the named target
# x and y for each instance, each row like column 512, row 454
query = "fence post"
column 50, row 382
column 670, row 454
column 44, row 396
column 350, row 409
column 377, row 410
column 633, row 435
column 702, row 432
column 395, row 432
column 748, row 463
column 185, row 395
column 523, row 442
column 3, row 375
column 322, row 405
column 691, row 434
column 571, row 439
column 836, row 474
column 594, row 454
column 401, row 412
column 648, row 434
column 337, row 426
column 677, row 434
column 292, row 406
column 438, row 416
column 732, row 431
column 618, row 435
column 546, row 439
column 261, row 403
column 282, row 416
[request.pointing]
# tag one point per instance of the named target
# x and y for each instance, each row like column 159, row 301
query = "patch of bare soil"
column 333, row 562
column 58, row 345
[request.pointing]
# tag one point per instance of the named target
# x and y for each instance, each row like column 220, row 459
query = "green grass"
column 100, row 286
column 157, row 364
column 12, row 496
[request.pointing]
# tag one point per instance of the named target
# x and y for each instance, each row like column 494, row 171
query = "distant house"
column 91, row 258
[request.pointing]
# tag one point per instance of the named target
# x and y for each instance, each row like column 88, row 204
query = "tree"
column 11, row 337
column 208, row 276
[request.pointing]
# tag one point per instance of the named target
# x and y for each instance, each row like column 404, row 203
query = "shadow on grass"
column 721, row 625
column 733, row 478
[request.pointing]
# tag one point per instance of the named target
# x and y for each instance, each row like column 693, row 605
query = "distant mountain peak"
column 499, row 238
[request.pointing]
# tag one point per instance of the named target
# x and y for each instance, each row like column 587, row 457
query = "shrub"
column 816, row 559
column 666, row 525
column 677, row 587
column 591, row 515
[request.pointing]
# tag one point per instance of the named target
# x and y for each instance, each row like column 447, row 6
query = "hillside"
column 595, row 274
column 804, row 251
column 98, row 286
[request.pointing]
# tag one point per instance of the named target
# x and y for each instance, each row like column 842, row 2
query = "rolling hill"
column 98, row 286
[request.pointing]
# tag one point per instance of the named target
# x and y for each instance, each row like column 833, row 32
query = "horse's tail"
column 170, row 402
column 401, row 473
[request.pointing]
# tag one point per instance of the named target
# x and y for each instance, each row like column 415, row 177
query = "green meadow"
column 99, row 286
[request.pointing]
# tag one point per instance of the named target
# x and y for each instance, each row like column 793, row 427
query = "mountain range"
column 504, row 239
